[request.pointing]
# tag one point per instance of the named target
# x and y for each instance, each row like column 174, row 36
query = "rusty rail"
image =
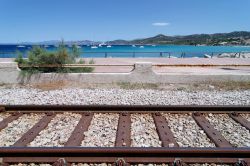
column 128, row 155
column 124, row 151
column 127, row 108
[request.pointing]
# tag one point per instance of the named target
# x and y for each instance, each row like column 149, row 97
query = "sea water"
column 128, row 51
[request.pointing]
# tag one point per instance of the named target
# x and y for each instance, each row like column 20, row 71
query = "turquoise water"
column 9, row 51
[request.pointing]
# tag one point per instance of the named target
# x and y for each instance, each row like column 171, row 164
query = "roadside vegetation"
column 41, row 60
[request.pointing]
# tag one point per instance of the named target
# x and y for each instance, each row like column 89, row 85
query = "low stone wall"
column 142, row 73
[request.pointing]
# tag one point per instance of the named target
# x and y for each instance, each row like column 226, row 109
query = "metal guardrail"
column 126, row 54
column 75, row 65
column 131, row 65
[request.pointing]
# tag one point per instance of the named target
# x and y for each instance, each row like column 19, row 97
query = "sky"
column 103, row 20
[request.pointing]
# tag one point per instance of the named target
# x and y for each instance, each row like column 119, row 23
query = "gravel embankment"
column 143, row 131
column 17, row 128
column 233, row 132
column 58, row 130
column 122, row 96
column 102, row 130
column 186, row 132
column 3, row 116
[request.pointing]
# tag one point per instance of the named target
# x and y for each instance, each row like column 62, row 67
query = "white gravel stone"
column 186, row 132
column 102, row 130
column 85, row 164
column 58, row 130
column 124, row 97
column 143, row 131
column 233, row 132
column 17, row 128
column 206, row 164
column 247, row 116
column 30, row 164
column 3, row 116
column 150, row 165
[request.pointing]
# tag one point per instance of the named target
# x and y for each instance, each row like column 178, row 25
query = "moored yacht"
column 20, row 46
column 94, row 47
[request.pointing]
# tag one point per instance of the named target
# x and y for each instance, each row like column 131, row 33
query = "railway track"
column 25, row 134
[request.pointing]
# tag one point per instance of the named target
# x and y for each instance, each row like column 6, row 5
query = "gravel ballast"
column 143, row 131
column 58, row 130
column 85, row 164
column 17, row 128
column 186, row 132
column 233, row 132
column 122, row 96
column 30, row 164
column 102, row 130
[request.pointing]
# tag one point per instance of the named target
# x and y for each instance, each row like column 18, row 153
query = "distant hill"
column 233, row 38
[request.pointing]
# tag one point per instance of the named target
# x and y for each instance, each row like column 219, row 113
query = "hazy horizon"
column 58, row 40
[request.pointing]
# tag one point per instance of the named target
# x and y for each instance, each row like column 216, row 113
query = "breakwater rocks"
column 228, row 55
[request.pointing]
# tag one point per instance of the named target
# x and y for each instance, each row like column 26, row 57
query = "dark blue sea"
column 127, row 51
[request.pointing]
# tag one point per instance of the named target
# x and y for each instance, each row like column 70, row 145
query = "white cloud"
column 161, row 24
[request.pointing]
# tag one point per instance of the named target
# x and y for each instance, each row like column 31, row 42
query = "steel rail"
column 127, row 108
column 123, row 152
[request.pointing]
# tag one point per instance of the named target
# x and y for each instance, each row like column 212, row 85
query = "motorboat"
column 94, row 47
column 20, row 46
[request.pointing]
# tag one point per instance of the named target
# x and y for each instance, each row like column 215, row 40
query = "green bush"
column 38, row 57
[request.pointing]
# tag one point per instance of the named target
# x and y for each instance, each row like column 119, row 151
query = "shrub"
column 39, row 57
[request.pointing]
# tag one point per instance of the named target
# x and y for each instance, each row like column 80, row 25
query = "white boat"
column 141, row 46
column 94, row 47
column 20, row 46
column 153, row 45
column 109, row 46
column 133, row 46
